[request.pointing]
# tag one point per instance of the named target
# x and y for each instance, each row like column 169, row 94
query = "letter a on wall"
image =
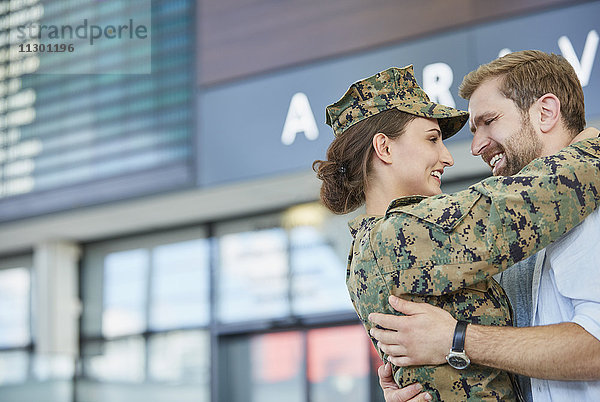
column 300, row 119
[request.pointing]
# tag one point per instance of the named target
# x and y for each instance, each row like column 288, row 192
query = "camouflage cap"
column 393, row 88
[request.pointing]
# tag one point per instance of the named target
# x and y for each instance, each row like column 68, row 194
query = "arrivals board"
column 95, row 102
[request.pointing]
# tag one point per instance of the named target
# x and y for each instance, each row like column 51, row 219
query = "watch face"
column 457, row 361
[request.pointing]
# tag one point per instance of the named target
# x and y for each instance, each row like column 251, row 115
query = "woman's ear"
column 549, row 108
column 381, row 145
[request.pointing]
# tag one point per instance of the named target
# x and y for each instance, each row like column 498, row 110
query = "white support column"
column 55, row 299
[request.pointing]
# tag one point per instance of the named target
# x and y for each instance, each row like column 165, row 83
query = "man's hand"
column 393, row 393
column 422, row 337
column 586, row 134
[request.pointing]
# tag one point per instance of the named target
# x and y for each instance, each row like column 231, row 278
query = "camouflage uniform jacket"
column 444, row 249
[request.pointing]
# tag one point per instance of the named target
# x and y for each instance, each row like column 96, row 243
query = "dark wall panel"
column 247, row 120
column 238, row 38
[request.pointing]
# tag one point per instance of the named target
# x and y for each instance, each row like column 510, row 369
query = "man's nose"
column 479, row 143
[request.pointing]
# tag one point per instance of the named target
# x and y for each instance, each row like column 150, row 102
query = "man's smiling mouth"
column 495, row 159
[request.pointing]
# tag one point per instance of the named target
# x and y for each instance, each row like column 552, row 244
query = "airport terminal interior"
column 161, row 235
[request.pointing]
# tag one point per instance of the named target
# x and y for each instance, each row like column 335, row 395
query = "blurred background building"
column 160, row 232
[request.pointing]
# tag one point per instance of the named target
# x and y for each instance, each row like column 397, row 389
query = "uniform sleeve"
column 449, row 242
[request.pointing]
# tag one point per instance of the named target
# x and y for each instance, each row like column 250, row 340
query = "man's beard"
column 520, row 148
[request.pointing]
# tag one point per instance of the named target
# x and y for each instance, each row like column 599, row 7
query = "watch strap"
column 460, row 332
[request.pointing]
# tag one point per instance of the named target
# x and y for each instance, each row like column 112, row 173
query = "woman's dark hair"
column 344, row 173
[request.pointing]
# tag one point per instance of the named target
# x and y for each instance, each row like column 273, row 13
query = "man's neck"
column 555, row 142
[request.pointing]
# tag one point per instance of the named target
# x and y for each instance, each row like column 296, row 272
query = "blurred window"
column 280, row 266
column 13, row 367
column 180, row 358
column 148, row 322
column 338, row 364
column 253, row 276
column 318, row 272
column 15, row 320
column 125, row 292
column 329, row 363
column 180, row 285
column 15, row 307
column 265, row 367
column 149, row 331
column 121, row 360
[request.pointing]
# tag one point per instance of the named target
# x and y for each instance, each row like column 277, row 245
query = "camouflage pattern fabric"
column 444, row 249
column 393, row 88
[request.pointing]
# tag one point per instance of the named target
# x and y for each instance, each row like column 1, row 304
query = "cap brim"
column 451, row 120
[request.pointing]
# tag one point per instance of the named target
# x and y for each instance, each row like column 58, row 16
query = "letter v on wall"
column 583, row 68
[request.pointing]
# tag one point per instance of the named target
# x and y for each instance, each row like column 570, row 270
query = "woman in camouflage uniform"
column 388, row 154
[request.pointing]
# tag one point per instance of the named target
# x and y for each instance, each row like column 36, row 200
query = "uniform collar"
column 403, row 201
column 364, row 220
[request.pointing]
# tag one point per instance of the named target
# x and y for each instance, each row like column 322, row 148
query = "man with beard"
column 522, row 106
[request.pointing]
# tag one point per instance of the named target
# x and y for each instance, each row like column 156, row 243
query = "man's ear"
column 381, row 145
column 549, row 108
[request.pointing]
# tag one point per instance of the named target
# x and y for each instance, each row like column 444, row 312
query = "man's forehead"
column 486, row 101
column 483, row 95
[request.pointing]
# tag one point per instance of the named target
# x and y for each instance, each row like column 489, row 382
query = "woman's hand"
column 393, row 393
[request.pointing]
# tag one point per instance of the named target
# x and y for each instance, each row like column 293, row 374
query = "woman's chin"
column 434, row 190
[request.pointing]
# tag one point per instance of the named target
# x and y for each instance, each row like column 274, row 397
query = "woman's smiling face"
column 419, row 158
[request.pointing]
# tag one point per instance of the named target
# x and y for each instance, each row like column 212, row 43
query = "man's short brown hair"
column 529, row 74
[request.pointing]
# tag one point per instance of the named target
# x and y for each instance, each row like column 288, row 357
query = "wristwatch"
column 457, row 357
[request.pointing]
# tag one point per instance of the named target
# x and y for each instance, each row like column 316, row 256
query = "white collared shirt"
column 566, row 288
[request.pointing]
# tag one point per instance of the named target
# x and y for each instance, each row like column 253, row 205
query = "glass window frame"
column 369, row 356
column 279, row 220
column 92, row 281
column 219, row 332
